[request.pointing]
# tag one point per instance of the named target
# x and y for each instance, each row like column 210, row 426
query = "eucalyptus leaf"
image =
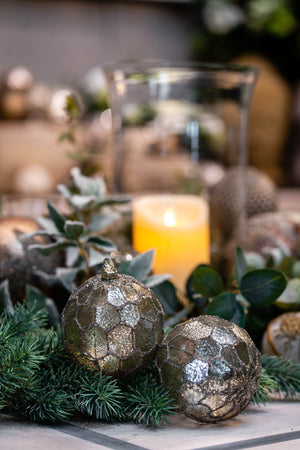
column 124, row 267
column 241, row 265
column 72, row 256
column 103, row 243
column 290, row 298
column 223, row 305
column 26, row 236
column 206, row 281
column 57, row 218
column 198, row 300
column 48, row 279
column 51, row 248
column 140, row 266
column 82, row 201
column 109, row 201
column 87, row 185
column 73, row 229
column 155, row 280
column 102, row 220
column 166, row 294
column 36, row 298
column 95, row 257
column 239, row 317
column 64, row 191
column 67, row 276
column 48, row 225
column 261, row 287
column 5, row 299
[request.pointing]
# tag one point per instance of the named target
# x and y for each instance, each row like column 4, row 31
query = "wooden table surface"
column 270, row 427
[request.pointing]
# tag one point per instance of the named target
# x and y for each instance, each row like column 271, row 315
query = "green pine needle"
column 47, row 404
column 98, row 396
column 23, row 320
column 285, row 372
column 39, row 381
column 266, row 386
column 148, row 403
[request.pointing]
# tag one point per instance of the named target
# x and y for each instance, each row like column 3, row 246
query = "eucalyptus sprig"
column 253, row 289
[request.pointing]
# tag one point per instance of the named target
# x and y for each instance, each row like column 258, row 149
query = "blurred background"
column 49, row 49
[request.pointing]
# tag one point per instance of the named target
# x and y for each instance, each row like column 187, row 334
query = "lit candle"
column 177, row 227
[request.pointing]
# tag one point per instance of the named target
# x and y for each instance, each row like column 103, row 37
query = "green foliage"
column 285, row 372
column 262, row 287
column 140, row 268
column 86, row 248
column 39, row 381
column 148, row 403
column 223, row 305
column 266, row 386
column 97, row 396
column 206, row 281
column 253, row 290
column 88, row 195
column 279, row 376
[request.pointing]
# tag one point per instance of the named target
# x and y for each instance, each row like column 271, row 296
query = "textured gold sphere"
column 226, row 198
column 210, row 366
column 112, row 322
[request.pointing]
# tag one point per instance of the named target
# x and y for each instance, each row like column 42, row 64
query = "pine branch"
column 285, row 372
column 148, row 403
column 47, row 404
column 266, row 386
column 98, row 396
column 18, row 363
column 24, row 319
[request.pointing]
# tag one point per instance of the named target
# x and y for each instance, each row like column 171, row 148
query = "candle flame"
column 169, row 219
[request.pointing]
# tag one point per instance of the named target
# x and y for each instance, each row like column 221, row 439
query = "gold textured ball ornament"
column 210, row 366
column 226, row 197
column 112, row 322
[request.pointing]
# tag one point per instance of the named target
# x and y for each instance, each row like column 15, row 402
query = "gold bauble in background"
column 113, row 323
column 210, row 366
column 226, row 198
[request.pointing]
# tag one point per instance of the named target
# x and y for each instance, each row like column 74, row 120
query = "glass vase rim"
column 211, row 66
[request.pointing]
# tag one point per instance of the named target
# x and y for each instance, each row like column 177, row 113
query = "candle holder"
column 179, row 127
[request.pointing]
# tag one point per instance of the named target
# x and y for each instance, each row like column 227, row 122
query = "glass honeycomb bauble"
column 113, row 323
column 210, row 366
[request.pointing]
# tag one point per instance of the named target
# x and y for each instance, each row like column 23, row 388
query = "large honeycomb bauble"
column 112, row 322
column 210, row 366
column 19, row 263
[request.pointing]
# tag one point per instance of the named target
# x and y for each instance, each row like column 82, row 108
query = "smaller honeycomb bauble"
column 18, row 263
column 252, row 188
column 112, row 322
column 210, row 366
